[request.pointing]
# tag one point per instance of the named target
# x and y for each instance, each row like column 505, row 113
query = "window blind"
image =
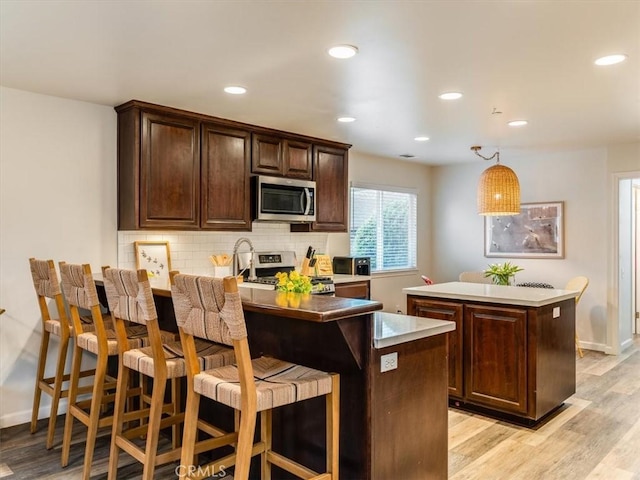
column 383, row 226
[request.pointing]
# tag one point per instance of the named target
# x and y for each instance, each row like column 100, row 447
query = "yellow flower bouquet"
column 293, row 282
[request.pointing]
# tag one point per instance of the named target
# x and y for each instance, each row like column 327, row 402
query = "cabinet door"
column 267, row 156
column 298, row 159
column 452, row 312
column 226, row 193
column 169, row 172
column 495, row 357
column 353, row 290
column 330, row 167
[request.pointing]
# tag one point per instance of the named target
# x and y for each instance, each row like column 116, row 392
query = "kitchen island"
column 393, row 381
column 512, row 354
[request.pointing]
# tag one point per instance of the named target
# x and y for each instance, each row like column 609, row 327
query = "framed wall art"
column 536, row 232
column 155, row 258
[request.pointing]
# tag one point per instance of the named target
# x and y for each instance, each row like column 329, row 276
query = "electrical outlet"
column 556, row 312
column 388, row 362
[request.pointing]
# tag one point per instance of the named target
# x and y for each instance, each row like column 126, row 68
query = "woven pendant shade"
column 498, row 191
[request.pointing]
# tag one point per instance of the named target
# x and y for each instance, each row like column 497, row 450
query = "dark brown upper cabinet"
column 226, row 190
column 158, row 170
column 281, row 157
column 331, row 174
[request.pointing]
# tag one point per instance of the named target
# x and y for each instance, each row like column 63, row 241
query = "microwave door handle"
column 308, row 201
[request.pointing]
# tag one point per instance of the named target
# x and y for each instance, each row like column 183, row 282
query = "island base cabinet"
column 417, row 421
column 495, row 357
column 516, row 362
column 393, row 424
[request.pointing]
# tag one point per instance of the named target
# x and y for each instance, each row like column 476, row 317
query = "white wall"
column 580, row 179
column 57, row 201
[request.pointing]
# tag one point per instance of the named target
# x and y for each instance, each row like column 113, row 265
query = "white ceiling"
column 527, row 59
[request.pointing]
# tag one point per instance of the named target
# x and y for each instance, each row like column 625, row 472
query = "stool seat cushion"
column 277, row 383
column 53, row 326
column 210, row 355
column 136, row 334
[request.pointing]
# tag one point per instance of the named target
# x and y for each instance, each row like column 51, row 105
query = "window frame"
column 413, row 242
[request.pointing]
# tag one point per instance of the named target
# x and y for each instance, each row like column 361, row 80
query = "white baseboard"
column 24, row 416
column 598, row 347
column 626, row 344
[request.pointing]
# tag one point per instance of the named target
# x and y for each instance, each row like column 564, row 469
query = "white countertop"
column 482, row 292
column 392, row 328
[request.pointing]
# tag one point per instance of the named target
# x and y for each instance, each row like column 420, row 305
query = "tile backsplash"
column 190, row 250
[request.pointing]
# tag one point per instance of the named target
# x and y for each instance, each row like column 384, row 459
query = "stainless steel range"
column 267, row 264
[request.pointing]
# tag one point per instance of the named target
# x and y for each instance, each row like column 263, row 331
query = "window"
column 383, row 226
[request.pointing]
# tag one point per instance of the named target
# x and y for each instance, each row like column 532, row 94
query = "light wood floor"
column 596, row 435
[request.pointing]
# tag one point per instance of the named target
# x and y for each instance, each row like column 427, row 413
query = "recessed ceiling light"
column 450, row 95
column 611, row 59
column 343, row 51
column 346, row 119
column 235, row 90
column 517, row 123
column 421, row 139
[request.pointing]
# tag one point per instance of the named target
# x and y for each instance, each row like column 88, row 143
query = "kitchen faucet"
column 252, row 263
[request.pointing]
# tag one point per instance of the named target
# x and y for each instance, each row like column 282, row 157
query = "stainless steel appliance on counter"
column 284, row 199
column 352, row 265
column 267, row 264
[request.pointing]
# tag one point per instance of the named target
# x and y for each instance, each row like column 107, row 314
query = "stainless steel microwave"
column 284, row 199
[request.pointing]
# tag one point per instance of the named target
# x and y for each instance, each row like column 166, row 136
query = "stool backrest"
column 474, row 277
column 205, row 309
column 47, row 286
column 211, row 308
column 80, row 292
column 579, row 283
column 129, row 295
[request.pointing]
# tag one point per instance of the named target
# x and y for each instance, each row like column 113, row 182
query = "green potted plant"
column 502, row 273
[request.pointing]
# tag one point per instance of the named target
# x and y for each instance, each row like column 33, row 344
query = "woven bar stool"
column 80, row 292
column 131, row 299
column 580, row 284
column 209, row 307
column 47, row 286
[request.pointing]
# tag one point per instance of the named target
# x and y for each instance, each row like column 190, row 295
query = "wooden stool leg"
column 72, row 398
column 578, row 347
column 265, row 437
column 94, row 415
column 190, row 432
column 176, row 438
column 245, row 443
column 44, row 346
column 118, row 418
column 333, row 427
column 153, row 431
column 57, row 390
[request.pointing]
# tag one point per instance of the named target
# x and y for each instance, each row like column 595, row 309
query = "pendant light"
column 498, row 188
